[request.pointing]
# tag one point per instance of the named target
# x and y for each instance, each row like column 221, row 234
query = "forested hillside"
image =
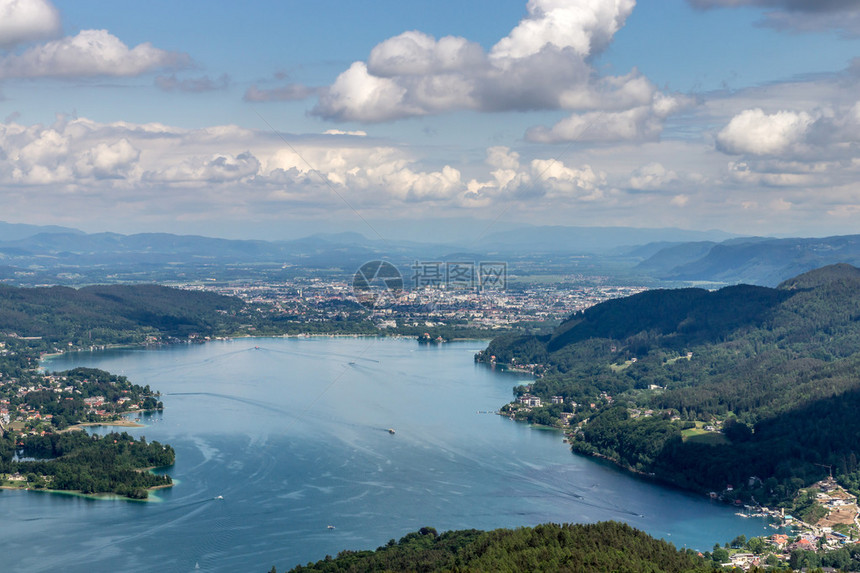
column 771, row 373
column 607, row 546
column 115, row 313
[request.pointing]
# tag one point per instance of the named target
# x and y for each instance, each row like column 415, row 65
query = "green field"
column 700, row 436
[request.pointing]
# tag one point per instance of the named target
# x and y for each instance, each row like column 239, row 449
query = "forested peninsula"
column 36, row 408
column 747, row 393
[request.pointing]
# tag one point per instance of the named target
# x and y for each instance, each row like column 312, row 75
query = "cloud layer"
column 126, row 161
column 799, row 15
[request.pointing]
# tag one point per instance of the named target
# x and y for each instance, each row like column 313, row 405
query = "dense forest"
column 774, row 369
column 607, row 546
column 116, row 314
column 77, row 461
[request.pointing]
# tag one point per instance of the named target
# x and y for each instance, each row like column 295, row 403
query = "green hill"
column 114, row 313
column 599, row 547
column 774, row 368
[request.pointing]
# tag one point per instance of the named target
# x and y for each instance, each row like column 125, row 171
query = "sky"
column 277, row 119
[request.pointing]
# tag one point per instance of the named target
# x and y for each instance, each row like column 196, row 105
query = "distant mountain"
column 669, row 257
column 762, row 261
column 138, row 256
column 588, row 240
column 17, row 231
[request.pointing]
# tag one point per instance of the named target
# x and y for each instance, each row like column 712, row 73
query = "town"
column 320, row 300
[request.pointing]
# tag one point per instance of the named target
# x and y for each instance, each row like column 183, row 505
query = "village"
column 837, row 528
column 48, row 402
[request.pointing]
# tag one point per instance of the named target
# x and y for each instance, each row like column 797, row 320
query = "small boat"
column 330, row 526
column 219, row 497
column 391, row 431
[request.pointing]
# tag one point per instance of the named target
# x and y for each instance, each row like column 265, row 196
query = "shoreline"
column 145, row 345
column 93, row 496
column 117, row 423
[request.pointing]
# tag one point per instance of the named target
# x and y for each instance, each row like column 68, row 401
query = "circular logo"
column 377, row 284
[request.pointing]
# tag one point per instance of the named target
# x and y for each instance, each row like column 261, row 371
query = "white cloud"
column 652, row 176
column 107, row 160
column 23, row 21
column 543, row 64
column 510, row 181
column 219, row 168
column 757, row 133
column 680, row 200
column 90, row 53
column 586, row 26
column 641, row 123
column 415, row 53
column 357, row 95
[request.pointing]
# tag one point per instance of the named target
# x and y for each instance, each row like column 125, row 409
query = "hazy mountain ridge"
column 761, row 261
column 17, row 231
column 670, row 255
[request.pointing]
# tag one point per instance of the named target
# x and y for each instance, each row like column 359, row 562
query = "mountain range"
column 654, row 256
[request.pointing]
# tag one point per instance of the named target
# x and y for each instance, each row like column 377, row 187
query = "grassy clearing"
column 620, row 367
column 700, row 436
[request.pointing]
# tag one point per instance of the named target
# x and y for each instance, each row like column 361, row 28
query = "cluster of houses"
column 843, row 509
column 22, row 412
column 531, row 401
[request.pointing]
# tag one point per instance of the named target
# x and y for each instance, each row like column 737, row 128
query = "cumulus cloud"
column 192, row 85
column 511, row 180
column 757, row 133
column 23, row 21
column 542, row 64
column 107, row 160
column 652, row 176
column 799, row 15
column 640, row 123
column 220, row 168
column 823, row 133
column 90, row 53
column 815, row 148
column 586, row 26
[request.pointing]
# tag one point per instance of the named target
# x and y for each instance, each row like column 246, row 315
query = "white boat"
column 391, row 430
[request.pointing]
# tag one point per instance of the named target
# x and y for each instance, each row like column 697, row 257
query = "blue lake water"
column 292, row 433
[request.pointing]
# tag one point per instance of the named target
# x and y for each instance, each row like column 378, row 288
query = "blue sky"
column 274, row 119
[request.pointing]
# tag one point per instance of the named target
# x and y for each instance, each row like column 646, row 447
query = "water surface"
column 292, row 434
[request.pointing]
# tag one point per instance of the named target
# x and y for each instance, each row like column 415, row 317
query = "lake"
column 279, row 438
